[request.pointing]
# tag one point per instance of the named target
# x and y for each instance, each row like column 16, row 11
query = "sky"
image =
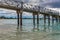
column 51, row 4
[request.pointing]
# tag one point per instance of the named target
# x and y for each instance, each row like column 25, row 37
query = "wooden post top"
column 35, row 13
column 19, row 11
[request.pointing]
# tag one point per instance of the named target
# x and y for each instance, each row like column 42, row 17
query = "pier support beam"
column 59, row 19
column 56, row 19
column 17, row 19
column 44, row 22
column 38, row 21
column 20, row 21
column 52, row 20
column 35, row 13
column 48, row 20
column 34, row 21
column 21, row 11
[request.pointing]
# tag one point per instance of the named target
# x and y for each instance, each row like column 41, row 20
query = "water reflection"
column 29, row 35
column 37, row 35
column 44, row 28
column 53, row 33
column 18, row 35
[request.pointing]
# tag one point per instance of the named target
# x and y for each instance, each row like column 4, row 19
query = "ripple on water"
column 8, row 31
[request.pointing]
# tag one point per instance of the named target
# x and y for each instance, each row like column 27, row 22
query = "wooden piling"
column 48, row 20
column 34, row 21
column 56, row 19
column 59, row 19
column 17, row 19
column 21, row 11
column 52, row 20
column 44, row 22
column 44, row 19
column 21, row 21
column 37, row 21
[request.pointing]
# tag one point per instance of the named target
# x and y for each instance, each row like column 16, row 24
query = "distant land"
column 3, row 17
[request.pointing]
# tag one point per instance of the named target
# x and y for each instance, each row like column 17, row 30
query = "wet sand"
column 8, row 32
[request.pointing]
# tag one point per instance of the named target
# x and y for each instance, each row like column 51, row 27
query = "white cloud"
column 27, row 14
column 7, row 10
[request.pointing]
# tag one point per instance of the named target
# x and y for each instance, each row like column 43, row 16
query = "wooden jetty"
column 36, row 10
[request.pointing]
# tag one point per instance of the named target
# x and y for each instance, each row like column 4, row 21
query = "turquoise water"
column 8, row 30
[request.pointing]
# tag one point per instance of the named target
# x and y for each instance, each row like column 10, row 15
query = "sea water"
column 9, row 31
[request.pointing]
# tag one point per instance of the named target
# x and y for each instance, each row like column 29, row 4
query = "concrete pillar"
column 37, row 21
